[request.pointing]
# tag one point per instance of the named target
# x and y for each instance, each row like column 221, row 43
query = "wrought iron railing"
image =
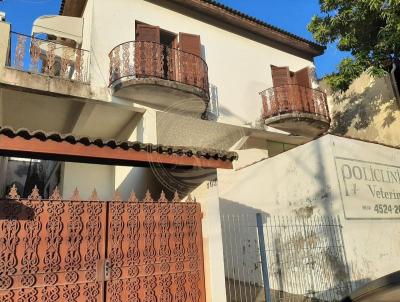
column 32, row 54
column 139, row 59
column 294, row 98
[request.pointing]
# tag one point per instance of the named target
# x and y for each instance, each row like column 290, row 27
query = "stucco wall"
column 304, row 181
column 239, row 67
column 367, row 110
column 207, row 195
column 87, row 177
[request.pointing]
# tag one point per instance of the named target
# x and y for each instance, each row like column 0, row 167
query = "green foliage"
column 368, row 29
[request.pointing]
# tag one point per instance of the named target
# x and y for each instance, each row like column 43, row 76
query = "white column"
column 207, row 196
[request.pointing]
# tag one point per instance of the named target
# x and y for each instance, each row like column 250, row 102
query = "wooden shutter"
column 280, row 76
column 304, row 101
column 190, row 66
column 303, row 77
column 148, row 56
column 190, row 43
column 147, row 33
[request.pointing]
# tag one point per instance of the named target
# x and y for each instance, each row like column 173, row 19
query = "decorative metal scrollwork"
column 73, row 257
column 133, row 255
column 30, row 259
column 93, row 237
column 153, row 249
column 35, row 54
column 116, row 228
column 20, row 52
column 52, row 257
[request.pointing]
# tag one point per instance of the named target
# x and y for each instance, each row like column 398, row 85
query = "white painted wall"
column 238, row 67
column 207, row 195
column 87, row 25
column 305, row 179
column 87, row 177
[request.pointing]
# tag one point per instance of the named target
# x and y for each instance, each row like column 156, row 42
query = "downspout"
column 393, row 80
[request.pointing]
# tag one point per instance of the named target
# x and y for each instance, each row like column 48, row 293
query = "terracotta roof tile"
column 126, row 145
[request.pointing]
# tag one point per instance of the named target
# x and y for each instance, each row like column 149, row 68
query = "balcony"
column 46, row 57
column 157, row 74
column 296, row 109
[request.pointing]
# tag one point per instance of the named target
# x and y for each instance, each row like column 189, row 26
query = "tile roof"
column 318, row 48
column 126, row 145
column 262, row 23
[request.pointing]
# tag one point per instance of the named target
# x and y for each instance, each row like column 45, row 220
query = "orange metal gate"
column 74, row 250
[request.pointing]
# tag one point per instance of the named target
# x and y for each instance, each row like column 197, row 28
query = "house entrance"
column 75, row 250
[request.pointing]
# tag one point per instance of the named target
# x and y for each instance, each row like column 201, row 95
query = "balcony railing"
column 46, row 57
column 138, row 59
column 294, row 99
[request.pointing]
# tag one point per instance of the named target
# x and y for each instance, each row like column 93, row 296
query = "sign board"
column 369, row 190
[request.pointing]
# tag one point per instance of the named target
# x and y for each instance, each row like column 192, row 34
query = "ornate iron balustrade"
column 294, row 98
column 47, row 57
column 139, row 59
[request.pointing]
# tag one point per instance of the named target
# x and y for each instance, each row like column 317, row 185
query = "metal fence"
column 35, row 55
column 243, row 274
column 303, row 259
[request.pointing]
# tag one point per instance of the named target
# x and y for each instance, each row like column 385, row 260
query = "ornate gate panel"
column 155, row 251
column 51, row 250
column 70, row 250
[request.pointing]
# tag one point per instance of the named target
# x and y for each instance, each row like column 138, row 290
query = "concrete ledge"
column 43, row 84
column 162, row 93
column 300, row 123
column 129, row 81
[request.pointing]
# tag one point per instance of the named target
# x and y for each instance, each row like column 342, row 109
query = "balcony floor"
column 162, row 93
column 299, row 123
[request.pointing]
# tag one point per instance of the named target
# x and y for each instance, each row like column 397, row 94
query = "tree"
column 368, row 29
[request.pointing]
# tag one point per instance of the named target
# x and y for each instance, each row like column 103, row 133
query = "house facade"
column 141, row 95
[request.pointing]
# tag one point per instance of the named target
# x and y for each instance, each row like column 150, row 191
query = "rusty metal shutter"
column 280, row 76
column 147, row 33
column 190, row 43
column 303, row 77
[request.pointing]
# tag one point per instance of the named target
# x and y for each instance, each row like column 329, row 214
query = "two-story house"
column 141, row 94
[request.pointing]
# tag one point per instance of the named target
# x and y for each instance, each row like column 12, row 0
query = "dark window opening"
column 25, row 174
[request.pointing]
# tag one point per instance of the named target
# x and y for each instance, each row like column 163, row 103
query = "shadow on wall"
column 140, row 180
column 369, row 105
column 243, row 274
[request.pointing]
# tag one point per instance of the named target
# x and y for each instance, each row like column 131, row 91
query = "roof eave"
column 229, row 16
column 65, row 151
column 253, row 25
column 72, row 8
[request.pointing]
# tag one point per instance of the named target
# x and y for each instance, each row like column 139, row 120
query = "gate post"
column 264, row 263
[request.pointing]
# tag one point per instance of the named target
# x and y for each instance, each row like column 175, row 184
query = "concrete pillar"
column 207, row 195
column 4, row 43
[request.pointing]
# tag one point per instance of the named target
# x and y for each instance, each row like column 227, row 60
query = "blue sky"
column 291, row 15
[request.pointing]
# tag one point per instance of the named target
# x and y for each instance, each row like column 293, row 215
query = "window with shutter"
column 280, row 80
column 148, row 51
column 303, row 77
column 190, row 43
column 304, row 99
column 280, row 76
column 190, row 67
column 147, row 33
